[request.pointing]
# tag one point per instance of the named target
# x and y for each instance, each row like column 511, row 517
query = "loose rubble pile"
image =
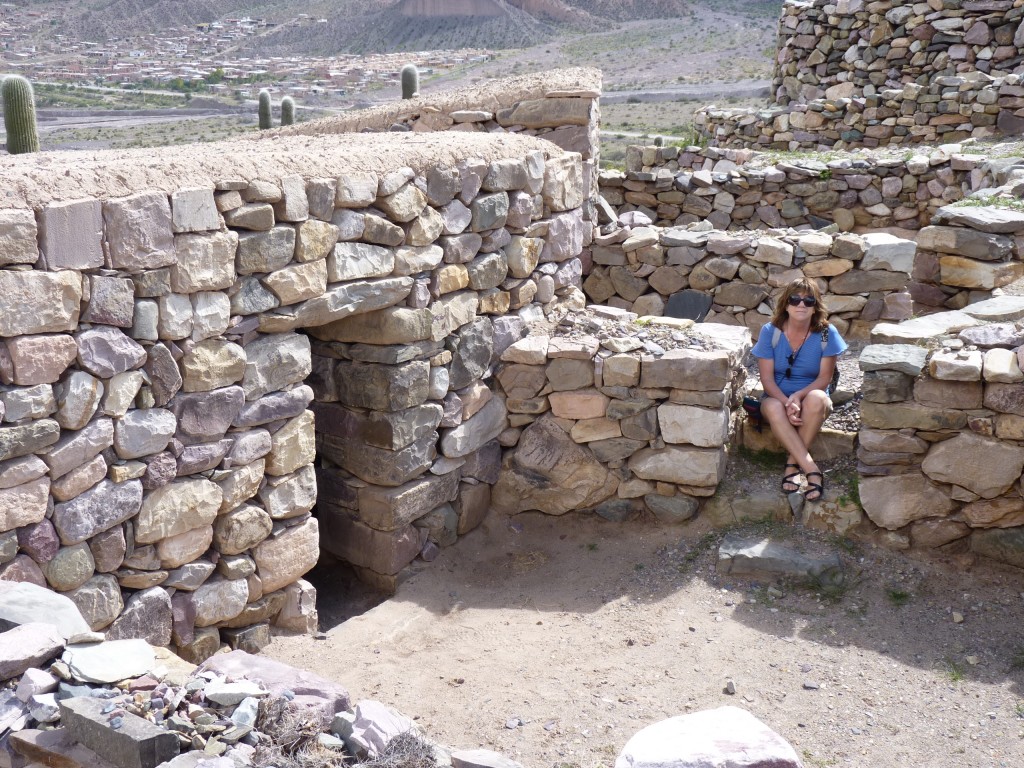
column 617, row 416
column 942, row 444
column 855, row 73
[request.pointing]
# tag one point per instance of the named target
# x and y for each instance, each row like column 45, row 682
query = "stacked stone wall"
column 880, row 73
column 859, row 47
column 957, row 260
column 739, row 189
column 561, row 106
column 941, row 449
column 863, row 278
column 157, row 444
column 618, row 417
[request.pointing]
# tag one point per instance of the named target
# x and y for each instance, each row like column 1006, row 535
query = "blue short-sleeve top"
column 806, row 361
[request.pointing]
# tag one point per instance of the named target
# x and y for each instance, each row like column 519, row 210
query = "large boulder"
column 727, row 736
column 551, row 473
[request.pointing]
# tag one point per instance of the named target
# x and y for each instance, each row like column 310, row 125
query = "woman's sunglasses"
column 808, row 301
column 791, row 359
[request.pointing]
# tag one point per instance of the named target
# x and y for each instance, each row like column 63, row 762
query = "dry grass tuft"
column 293, row 734
column 406, row 750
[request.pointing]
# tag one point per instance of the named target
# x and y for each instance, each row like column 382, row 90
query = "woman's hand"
column 793, row 412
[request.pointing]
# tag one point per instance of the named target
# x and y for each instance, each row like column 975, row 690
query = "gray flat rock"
column 22, row 603
column 997, row 309
column 755, row 556
column 230, row 694
column 727, row 736
column 923, row 328
column 996, row 220
column 905, row 358
column 109, row 662
column 481, row 758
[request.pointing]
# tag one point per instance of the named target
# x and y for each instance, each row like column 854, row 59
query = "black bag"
column 752, row 406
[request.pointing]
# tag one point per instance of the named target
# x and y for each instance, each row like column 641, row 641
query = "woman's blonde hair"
column 805, row 287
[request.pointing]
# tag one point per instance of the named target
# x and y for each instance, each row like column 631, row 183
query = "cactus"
column 410, row 81
column 20, row 115
column 266, row 119
column 287, row 111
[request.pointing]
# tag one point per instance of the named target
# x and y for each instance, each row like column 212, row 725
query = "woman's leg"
column 791, row 439
column 815, row 408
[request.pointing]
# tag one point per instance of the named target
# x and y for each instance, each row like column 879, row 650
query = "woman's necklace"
column 796, row 351
column 791, row 357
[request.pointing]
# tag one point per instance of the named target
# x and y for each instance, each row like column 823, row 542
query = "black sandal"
column 818, row 488
column 788, row 479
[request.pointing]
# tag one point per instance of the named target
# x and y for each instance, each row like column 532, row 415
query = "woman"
column 797, row 354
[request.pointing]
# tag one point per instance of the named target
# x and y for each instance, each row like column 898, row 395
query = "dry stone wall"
column 618, row 416
column 561, row 106
column 859, row 47
column 157, row 444
column 864, row 278
column 859, row 73
column 680, row 219
column 740, row 189
column 941, row 450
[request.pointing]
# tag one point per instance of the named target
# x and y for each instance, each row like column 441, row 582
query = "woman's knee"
column 773, row 410
column 816, row 403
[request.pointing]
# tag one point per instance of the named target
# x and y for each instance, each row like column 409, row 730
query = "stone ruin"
column 855, row 73
column 362, row 335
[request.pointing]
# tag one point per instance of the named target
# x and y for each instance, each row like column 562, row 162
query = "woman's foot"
column 789, row 484
column 815, row 491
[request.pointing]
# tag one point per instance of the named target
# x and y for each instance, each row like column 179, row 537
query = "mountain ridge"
column 363, row 26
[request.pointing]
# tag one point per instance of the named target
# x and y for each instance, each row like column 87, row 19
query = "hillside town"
column 210, row 57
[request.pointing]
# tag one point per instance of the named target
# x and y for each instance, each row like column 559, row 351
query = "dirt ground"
column 554, row 640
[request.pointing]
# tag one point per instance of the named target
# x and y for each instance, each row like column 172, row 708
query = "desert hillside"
column 361, row 26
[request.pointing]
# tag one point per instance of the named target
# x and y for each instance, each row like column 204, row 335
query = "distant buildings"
column 193, row 54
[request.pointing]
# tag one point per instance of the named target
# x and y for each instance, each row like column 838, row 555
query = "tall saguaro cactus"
column 287, row 110
column 410, row 81
column 266, row 118
column 19, row 115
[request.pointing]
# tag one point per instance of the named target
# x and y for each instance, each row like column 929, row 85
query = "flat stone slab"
column 995, row 220
column 230, row 694
column 26, row 646
column 136, row 743
column 23, row 603
column 757, row 556
column 310, row 690
column 109, row 662
column 997, row 309
column 905, row 358
column 727, row 736
column 923, row 328
column 56, row 749
column 481, row 758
